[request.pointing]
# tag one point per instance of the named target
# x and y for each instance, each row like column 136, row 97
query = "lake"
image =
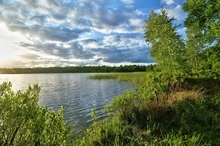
column 74, row 91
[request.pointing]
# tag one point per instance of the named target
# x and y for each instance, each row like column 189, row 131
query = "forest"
column 176, row 103
column 77, row 69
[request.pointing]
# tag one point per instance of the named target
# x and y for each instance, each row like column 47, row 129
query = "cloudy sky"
column 43, row 33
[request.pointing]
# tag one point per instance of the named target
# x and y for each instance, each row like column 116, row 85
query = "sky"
column 45, row 33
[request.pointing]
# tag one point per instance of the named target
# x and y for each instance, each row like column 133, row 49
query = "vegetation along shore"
column 76, row 69
column 176, row 103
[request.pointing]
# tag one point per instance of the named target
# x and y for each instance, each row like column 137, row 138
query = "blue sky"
column 43, row 33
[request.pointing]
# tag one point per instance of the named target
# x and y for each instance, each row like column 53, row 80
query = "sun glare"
column 9, row 50
column 7, row 54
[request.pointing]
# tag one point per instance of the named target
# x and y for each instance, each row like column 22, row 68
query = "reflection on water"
column 74, row 92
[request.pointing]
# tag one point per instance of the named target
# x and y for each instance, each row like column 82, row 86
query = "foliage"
column 24, row 122
column 213, row 61
column 77, row 69
column 167, row 45
column 185, row 118
column 203, row 39
column 205, row 15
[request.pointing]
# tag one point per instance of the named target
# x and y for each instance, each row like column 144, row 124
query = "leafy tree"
column 194, row 49
column 203, row 36
column 212, row 56
column 167, row 45
column 24, row 122
column 205, row 14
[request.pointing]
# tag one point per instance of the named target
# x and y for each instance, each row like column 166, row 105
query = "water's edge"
column 73, row 91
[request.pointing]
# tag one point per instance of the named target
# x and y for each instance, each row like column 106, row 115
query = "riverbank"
column 188, row 114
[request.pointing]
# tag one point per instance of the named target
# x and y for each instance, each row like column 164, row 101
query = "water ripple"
column 74, row 92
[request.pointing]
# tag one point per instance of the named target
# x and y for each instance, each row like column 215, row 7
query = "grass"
column 187, row 116
column 135, row 78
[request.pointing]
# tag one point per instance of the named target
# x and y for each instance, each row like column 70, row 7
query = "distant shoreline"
column 76, row 69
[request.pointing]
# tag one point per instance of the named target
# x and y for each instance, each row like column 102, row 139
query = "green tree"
column 24, row 122
column 203, row 36
column 205, row 15
column 167, row 51
column 194, row 49
column 212, row 56
column 167, row 45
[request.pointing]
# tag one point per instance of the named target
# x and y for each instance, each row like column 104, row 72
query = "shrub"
column 24, row 122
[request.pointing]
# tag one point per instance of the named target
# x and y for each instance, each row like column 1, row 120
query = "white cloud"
column 177, row 13
column 128, row 1
column 168, row 2
column 55, row 31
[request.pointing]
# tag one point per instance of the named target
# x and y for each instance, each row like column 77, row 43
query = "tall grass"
column 175, row 115
column 186, row 120
column 135, row 78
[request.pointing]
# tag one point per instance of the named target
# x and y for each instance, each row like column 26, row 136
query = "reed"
column 135, row 78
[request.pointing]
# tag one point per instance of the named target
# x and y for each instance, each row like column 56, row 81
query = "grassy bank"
column 186, row 122
column 176, row 113
column 178, row 116
column 135, row 78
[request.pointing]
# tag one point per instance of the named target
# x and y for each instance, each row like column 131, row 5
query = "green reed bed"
column 134, row 78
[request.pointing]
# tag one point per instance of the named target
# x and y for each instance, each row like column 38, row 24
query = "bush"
column 24, row 122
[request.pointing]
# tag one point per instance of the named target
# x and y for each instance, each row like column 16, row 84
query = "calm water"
column 77, row 94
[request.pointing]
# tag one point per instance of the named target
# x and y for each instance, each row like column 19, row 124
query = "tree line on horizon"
column 78, row 69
